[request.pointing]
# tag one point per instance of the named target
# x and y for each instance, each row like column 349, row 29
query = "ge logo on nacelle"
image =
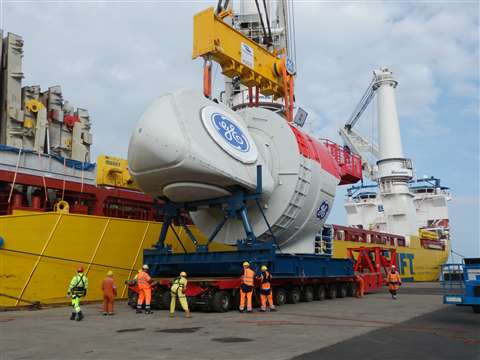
column 322, row 210
column 230, row 132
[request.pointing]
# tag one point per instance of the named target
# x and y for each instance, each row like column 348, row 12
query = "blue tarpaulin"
column 74, row 164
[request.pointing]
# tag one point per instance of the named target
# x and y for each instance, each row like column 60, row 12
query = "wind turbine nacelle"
column 187, row 148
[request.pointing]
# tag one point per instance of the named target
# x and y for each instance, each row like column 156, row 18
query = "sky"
column 114, row 57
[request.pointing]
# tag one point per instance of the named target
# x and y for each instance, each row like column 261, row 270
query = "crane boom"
column 362, row 105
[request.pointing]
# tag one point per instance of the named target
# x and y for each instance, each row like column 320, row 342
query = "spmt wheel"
column 293, row 295
column 351, row 288
column 332, row 291
column 166, row 298
column 320, row 292
column 221, row 301
column 307, row 294
column 279, row 296
column 341, row 290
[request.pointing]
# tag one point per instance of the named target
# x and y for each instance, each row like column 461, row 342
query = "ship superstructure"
column 36, row 120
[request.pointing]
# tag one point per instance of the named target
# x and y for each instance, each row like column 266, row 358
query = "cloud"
column 431, row 50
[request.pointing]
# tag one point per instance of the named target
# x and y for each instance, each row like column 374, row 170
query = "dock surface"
column 416, row 326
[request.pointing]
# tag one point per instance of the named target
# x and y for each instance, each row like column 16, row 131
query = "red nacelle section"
column 312, row 149
column 350, row 164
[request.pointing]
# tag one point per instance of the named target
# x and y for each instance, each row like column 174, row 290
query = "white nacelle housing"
column 186, row 148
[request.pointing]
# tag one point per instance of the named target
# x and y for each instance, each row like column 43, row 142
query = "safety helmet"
column 145, row 267
column 80, row 269
column 264, row 268
column 110, row 273
column 183, row 273
column 245, row 263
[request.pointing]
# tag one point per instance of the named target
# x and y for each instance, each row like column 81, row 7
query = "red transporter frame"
column 373, row 264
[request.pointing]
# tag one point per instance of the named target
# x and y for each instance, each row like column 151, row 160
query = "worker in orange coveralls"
column 246, row 287
column 394, row 281
column 144, row 283
column 266, row 290
column 109, row 292
column 360, row 285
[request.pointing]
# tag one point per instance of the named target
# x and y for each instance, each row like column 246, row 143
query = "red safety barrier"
column 350, row 164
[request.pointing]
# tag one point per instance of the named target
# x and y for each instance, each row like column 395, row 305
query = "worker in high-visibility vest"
column 266, row 293
column 394, row 281
column 109, row 292
column 177, row 290
column 246, row 287
column 76, row 290
column 360, row 290
column 144, row 284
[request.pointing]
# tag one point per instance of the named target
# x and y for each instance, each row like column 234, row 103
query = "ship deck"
column 416, row 326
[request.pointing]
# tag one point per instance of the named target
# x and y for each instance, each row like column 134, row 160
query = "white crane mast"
column 392, row 170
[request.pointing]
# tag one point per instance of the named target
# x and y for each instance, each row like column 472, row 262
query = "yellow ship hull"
column 42, row 251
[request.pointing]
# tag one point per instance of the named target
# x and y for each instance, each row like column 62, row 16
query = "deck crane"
column 392, row 170
column 356, row 141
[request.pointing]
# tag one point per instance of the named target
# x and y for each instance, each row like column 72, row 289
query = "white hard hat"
column 145, row 267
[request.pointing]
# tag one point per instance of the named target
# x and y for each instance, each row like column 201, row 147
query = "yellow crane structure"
column 271, row 73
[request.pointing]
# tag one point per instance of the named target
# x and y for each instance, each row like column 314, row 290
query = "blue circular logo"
column 230, row 132
column 322, row 210
column 290, row 66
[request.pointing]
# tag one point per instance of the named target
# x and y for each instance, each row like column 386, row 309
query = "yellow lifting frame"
column 215, row 40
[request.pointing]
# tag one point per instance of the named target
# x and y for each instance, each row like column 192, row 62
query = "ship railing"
column 345, row 233
column 324, row 241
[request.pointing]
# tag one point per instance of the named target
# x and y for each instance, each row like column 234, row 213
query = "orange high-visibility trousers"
column 144, row 294
column 248, row 296
column 267, row 298
column 360, row 287
column 108, row 302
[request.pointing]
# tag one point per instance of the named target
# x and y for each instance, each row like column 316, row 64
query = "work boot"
column 139, row 311
column 187, row 314
column 241, row 310
column 250, row 311
column 263, row 310
column 273, row 309
column 172, row 315
column 105, row 313
column 80, row 316
column 111, row 313
column 73, row 316
column 148, row 312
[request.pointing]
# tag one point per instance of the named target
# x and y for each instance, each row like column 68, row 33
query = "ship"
column 60, row 210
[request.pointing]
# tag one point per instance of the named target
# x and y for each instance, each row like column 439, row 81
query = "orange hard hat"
column 80, row 269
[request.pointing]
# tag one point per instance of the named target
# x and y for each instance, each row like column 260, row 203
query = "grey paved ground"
column 417, row 326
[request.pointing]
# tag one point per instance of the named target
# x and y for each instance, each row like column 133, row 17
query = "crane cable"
column 270, row 39
column 294, row 57
column 261, row 19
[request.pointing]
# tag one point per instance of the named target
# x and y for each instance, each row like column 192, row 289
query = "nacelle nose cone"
column 157, row 140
